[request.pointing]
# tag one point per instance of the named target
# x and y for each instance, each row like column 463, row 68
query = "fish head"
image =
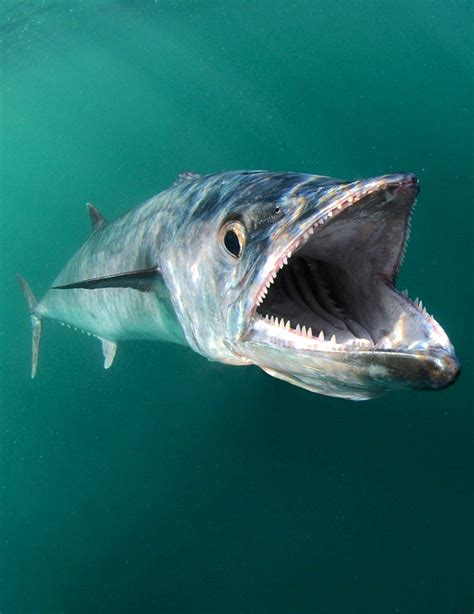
column 297, row 274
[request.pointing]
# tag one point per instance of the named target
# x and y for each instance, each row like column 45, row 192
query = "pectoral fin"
column 144, row 280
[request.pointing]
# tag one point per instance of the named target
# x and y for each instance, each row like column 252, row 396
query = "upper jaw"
column 389, row 196
column 314, row 216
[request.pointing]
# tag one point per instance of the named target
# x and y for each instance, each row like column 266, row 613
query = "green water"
column 170, row 484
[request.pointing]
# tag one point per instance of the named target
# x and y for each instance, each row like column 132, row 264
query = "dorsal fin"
column 97, row 219
column 186, row 176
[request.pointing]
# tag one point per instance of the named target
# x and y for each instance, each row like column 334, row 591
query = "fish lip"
column 335, row 201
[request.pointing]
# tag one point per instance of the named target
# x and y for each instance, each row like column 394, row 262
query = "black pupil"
column 232, row 243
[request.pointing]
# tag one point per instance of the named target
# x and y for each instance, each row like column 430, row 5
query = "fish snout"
column 440, row 370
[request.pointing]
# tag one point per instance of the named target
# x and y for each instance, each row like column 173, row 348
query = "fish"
column 292, row 272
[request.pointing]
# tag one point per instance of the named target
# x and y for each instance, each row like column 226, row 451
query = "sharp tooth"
column 385, row 343
column 405, row 293
column 333, row 339
column 266, row 316
column 321, row 336
column 416, row 301
column 306, row 236
column 303, row 331
column 329, row 213
column 288, row 325
column 309, row 332
column 288, row 255
column 282, row 323
column 272, row 320
column 420, row 306
column 285, row 260
column 298, row 329
column 311, row 230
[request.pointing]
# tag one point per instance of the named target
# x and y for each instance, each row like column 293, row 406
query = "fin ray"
column 186, row 176
column 37, row 325
column 109, row 349
column 97, row 219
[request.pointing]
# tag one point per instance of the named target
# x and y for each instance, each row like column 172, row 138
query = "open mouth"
column 333, row 287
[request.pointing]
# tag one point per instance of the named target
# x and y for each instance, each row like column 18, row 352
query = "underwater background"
column 171, row 484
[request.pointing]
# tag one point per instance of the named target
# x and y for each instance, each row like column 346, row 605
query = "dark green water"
column 170, row 484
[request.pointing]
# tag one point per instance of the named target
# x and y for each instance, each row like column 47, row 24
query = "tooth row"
column 287, row 257
column 264, row 292
column 418, row 304
column 299, row 330
column 308, row 332
column 361, row 343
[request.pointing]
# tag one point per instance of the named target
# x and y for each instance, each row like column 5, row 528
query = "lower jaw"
column 355, row 374
column 389, row 321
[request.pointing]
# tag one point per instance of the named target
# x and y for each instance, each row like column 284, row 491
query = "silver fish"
column 292, row 272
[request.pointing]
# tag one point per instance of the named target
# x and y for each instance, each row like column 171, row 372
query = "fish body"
column 295, row 273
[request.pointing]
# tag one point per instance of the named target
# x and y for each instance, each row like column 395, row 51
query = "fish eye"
column 276, row 210
column 232, row 243
column 232, row 237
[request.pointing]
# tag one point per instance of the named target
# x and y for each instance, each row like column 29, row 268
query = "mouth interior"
column 341, row 281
